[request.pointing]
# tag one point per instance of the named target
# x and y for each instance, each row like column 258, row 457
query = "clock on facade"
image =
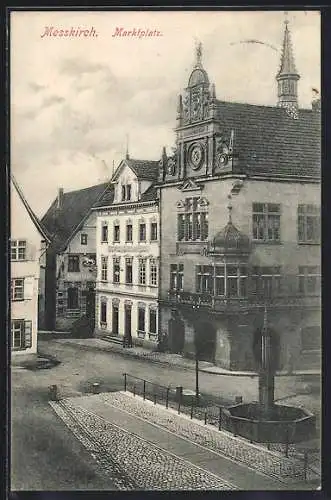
column 196, row 157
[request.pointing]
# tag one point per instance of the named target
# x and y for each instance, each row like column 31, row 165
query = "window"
column 142, row 271
column 103, row 312
column 129, row 232
column 153, row 231
column 192, row 224
column 153, row 272
column 152, row 321
column 128, row 270
column 226, row 281
column 104, row 268
column 116, row 232
column 17, row 289
column 126, row 192
column 309, row 280
column 18, row 250
column 83, row 239
column 104, row 232
column 73, row 264
column 115, row 319
column 176, row 276
column 116, row 269
column 72, row 301
column 205, row 279
column 219, row 280
column 266, row 281
column 142, row 231
column 309, row 224
column 266, row 221
column 141, row 319
column 21, row 334
column 311, row 338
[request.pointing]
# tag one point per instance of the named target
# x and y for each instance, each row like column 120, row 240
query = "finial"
column 230, row 209
column 286, row 21
column 127, row 156
column 198, row 53
column 213, row 91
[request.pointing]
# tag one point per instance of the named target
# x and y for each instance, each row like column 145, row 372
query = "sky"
column 77, row 101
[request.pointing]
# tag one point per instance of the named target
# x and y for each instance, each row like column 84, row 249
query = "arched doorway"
column 275, row 348
column 176, row 332
column 205, row 341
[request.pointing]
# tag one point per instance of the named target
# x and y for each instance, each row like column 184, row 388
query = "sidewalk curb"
column 227, row 373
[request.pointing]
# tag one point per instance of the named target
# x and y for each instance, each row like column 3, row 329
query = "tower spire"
column 127, row 156
column 198, row 54
column 287, row 76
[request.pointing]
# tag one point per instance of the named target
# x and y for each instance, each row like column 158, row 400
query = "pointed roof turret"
column 288, row 76
column 287, row 63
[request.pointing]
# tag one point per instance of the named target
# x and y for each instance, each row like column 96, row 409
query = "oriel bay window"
column 176, row 276
column 266, row 222
column 192, row 220
column 222, row 280
column 309, row 221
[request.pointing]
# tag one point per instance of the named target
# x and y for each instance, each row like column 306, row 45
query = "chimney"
column 59, row 205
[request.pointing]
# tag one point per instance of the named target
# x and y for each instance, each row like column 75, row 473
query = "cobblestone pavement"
column 146, row 466
column 270, row 463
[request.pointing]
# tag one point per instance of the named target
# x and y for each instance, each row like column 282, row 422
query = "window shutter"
column 28, row 287
column 27, row 334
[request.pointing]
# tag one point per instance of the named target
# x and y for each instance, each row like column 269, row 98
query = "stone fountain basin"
column 283, row 424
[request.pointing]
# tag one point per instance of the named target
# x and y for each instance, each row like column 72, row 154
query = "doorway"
column 205, row 341
column 176, row 329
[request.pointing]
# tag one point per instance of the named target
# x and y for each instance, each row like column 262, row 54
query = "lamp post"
column 197, row 340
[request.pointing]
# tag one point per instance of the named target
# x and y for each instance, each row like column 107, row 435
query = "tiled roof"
column 144, row 169
column 149, row 195
column 269, row 142
column 43, row 231
column 75, row 207
column 106, row 199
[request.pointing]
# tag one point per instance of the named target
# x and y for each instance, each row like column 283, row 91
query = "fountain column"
column 266, row 375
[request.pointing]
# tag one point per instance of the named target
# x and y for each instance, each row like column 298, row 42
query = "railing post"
column 305, row 470
column 144, row 389
column 167, row 397
column 124, row 382
column 134, row 389
column 205, row 417
column 191, row 408
column 287, row 443
column 220, row 419
column 155, row 398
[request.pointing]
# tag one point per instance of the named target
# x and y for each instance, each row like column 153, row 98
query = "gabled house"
column 71, row 257
column 128, row 242
column 28, row 244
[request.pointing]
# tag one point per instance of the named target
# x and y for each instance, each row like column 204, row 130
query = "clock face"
column 196, row 157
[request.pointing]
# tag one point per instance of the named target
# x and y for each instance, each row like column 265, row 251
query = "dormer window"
column 126, row 192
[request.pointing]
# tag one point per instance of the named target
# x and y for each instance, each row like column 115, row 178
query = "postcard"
column 165, row 178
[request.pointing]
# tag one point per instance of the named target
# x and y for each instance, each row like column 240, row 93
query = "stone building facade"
column 128, row 242
column 240, row 223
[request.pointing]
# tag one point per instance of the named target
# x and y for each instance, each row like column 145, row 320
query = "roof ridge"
column 31, row 213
